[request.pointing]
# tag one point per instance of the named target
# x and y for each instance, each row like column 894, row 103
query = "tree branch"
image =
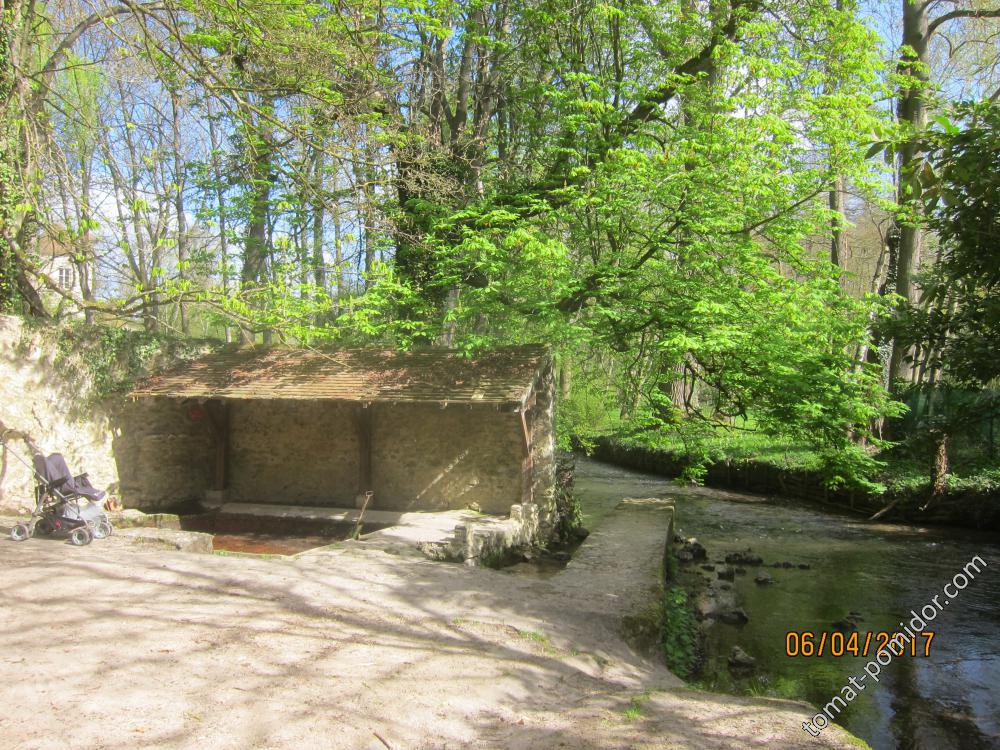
column 55, row 59
column 960, row 13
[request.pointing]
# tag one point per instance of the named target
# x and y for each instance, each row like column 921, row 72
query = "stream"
column 950, row 699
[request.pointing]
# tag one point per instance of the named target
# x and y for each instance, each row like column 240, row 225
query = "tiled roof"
column 501, row 376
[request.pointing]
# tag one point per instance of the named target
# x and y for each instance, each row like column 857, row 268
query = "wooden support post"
column 364, row 448
column 529, row 460
column 218, row 419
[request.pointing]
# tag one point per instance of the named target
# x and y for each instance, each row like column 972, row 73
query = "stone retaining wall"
column 46, row 401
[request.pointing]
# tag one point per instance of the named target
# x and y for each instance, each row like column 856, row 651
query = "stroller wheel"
column 20, row 532
column 102, row 529
column 81, row 536
column 44, row 527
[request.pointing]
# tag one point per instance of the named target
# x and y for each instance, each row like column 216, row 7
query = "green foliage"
column 586, row 413
column 698, row 445
column 10, row 190
column 114, row 359
column 958, row 322
column 671, row 565
column 569, row 516
column 679, row 246
column 853, row 467
column 679, row 633
column 634, row 186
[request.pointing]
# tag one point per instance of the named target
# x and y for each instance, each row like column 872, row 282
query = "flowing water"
column 950, row 699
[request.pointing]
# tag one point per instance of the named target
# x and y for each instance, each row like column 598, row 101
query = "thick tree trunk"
column 255, row 246
column 838, row 238
column 14, row 164
column 220, row 200
column 912, row 110
column 182, row 238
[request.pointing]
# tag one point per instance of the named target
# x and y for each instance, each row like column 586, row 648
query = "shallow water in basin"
column 269, row 535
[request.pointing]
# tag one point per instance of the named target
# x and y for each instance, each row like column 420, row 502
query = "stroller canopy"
column 56, row 474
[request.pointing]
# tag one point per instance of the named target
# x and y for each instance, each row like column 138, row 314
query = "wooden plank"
column 528, row 464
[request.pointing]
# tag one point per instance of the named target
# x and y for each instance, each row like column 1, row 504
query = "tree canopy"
column 647, row 187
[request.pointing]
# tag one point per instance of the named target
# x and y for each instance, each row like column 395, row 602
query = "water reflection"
column 949, row 700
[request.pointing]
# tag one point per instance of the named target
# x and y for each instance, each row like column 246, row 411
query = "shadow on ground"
column 345, row 649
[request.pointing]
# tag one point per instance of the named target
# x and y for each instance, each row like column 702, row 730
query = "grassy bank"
column 904, row 469
column 757, row 463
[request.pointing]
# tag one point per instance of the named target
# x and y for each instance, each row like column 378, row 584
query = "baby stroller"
column 64, row 503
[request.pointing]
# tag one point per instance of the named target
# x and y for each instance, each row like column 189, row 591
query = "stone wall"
column 165, row 458
column 293, row 452
column 432, row 458
column 542, row 428
column 47, row 401
column 424, row 457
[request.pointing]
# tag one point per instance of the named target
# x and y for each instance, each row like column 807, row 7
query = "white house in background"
column 57, row 263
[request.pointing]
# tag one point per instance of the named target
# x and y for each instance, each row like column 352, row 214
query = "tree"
column 961, row 323
column 956, row 329
column 634, row 209
column 919, row 25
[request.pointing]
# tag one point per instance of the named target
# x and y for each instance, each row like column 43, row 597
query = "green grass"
column 534, row 635
column 909, row 471
column 259, row 555
column 541, row 639
column 634, row 710
column 906, row 469
column 737, row 445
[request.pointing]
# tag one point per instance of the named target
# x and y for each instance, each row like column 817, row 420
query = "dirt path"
column 113, row 646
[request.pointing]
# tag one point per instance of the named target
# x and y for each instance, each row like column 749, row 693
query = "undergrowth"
column 106, row 360
column 900, row 469
column 679, row 633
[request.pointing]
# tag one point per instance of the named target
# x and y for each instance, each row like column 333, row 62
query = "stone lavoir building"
column 426, row 429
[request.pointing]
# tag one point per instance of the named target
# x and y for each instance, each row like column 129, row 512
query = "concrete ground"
column 121, row 646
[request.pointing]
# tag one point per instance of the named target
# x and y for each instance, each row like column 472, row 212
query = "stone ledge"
column 170, row 539
column 482, row 540
column 133, row 519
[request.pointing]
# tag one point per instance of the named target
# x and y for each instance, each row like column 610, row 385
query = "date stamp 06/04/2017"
column 807, row 643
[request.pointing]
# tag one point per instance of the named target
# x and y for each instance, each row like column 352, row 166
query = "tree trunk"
column 940, row 467
column 14, row 165
column 318, row 212
column 565, row 381
column 255, row 243
column 182, row 238
column 86, row 267
column 220, row 201
column 838, row 239
column 912, row 110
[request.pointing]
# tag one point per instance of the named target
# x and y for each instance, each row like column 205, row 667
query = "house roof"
column 51, row 247
column 501, row 377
